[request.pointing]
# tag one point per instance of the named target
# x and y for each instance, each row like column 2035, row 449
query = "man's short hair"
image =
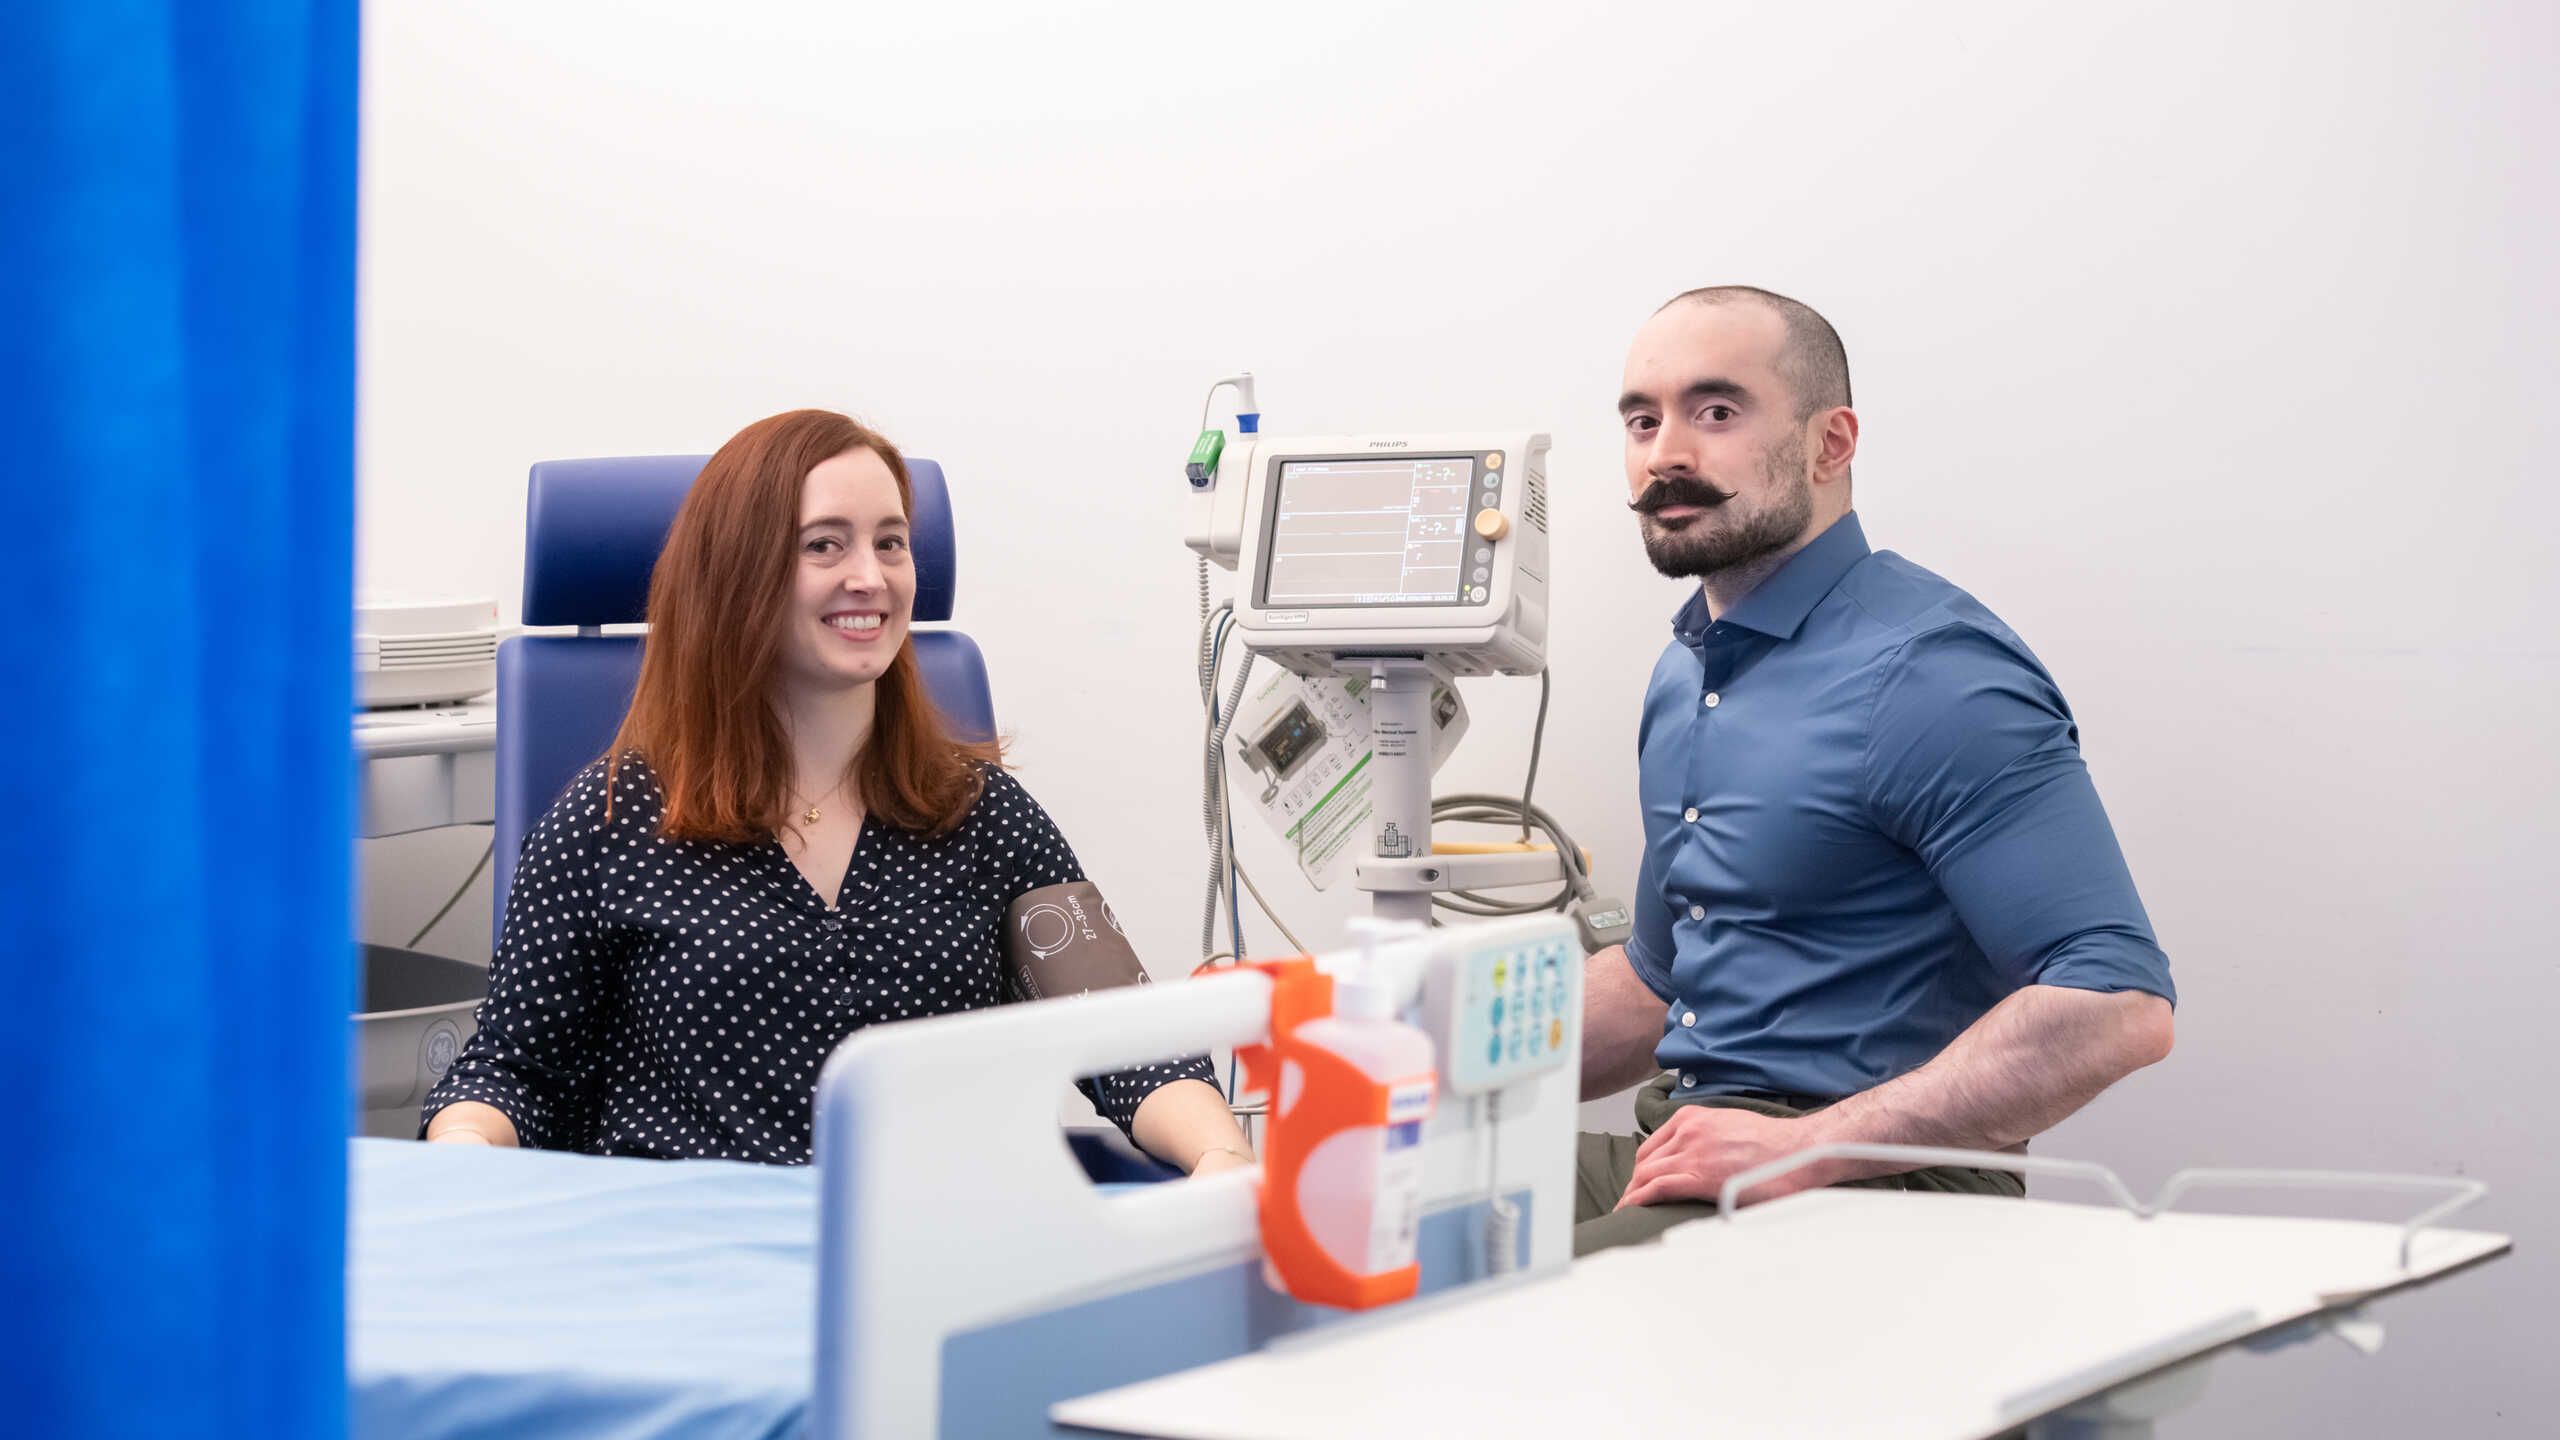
column 1814, row 361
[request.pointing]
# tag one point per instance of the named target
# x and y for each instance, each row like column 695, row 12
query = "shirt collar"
column 1778, row 606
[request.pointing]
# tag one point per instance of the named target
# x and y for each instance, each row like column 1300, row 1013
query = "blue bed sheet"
column 520, row 1293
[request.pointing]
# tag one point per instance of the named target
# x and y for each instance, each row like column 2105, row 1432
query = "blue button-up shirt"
column 1866, row 823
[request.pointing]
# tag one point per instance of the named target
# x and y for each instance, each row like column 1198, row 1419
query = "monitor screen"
column 1361, row 531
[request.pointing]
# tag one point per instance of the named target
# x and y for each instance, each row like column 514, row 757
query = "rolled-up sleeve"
column 537, row 1048
column 1033, row 852
column 1973, row 762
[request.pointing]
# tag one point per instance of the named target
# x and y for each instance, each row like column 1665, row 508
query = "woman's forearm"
column 1184, row 1120
column 466, row 1121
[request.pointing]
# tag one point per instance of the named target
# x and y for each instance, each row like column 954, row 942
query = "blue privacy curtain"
column 177, row 218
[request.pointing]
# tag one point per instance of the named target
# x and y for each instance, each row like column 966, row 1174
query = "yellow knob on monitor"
column 1492, row 524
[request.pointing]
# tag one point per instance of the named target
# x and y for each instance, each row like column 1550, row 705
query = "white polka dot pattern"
column 677, row 998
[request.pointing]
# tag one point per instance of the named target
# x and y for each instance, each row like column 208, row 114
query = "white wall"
column 2213, row 350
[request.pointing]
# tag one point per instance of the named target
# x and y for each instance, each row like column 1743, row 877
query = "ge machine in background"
column 425, row 756
column 425, row 651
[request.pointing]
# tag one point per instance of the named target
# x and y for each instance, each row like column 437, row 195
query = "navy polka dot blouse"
column 677, row 998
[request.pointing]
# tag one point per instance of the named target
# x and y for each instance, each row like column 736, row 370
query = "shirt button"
column 832, row 922
column 1687, row 1079
column 1713, row 700
column 1690, row 815
column 1688, row 1017
column 1697, row 912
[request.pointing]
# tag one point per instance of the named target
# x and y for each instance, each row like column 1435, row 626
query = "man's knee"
column 1635, row 1226
column 1601, row 1167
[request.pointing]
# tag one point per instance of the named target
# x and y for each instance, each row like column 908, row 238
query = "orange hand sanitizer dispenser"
column 1350, row 1086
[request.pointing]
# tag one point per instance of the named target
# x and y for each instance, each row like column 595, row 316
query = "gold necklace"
column 810, row 815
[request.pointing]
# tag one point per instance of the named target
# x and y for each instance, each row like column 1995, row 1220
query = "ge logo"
column 443, row 1044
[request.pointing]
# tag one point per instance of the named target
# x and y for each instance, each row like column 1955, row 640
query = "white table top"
column 1843, row 1313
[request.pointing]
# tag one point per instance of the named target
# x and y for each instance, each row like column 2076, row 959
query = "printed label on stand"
column 1392, row 738
column 1306, row 744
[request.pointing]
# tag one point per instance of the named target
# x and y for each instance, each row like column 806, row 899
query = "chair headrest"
column 593, row 529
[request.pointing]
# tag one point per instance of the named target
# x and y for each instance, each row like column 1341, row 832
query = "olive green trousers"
column 1604, row 1163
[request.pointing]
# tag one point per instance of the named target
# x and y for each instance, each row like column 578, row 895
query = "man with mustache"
column 1880, row 900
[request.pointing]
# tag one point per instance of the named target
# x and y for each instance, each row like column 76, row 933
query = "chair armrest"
column 1109, row 1159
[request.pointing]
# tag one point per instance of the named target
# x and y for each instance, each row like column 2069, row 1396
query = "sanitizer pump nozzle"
column 1375, row 934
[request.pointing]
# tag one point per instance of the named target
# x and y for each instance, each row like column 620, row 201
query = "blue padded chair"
column 592, row 532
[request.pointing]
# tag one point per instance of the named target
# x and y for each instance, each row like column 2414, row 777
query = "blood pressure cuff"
column 1064, row 940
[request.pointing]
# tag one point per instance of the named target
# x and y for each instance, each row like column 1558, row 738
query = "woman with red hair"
column 784, row 844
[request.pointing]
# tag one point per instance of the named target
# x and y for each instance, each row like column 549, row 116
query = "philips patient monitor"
column 1430, row 547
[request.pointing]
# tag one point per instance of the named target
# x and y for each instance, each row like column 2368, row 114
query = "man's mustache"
column 1669, row 490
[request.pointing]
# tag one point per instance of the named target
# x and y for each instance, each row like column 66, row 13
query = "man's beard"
column 1711, row 543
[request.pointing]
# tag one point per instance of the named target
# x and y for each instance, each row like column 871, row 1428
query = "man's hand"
column 1700, row 1147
